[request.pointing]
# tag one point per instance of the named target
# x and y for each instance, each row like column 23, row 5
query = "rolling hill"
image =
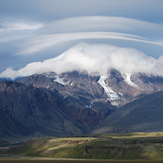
column 133, row 146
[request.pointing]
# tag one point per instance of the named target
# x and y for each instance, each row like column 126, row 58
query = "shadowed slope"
column 142, row 115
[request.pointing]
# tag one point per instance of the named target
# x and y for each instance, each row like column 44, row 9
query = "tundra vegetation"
column 123, row 146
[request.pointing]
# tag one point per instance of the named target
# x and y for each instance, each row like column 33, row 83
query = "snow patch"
column 72, row 84
column 150, row 83
column 89, row 106
column 61, row 80
column 93, row 95
column 64, row 97
column 128, row 80
column 112, row 96
column 50, row 75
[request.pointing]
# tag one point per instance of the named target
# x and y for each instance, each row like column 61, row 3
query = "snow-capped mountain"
column 92, row 58
column 96, row 73
column 114, row 88
column 80, row 87
column 79, row 101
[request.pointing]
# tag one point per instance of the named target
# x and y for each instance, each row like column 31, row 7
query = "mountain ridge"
column 27, row 111
column 31, row 111
column 142, row 115
column 116, row 88
column 71, row 103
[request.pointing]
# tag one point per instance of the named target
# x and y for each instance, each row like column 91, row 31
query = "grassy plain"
column 78, row 161
column 118, row 147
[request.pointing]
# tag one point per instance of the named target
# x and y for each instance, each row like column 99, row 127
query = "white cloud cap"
column 93, row 58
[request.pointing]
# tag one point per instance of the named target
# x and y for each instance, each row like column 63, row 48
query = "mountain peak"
column 92, row 58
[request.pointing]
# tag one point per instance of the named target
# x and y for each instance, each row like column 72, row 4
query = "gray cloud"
column 41, row 42
column 18, row 25
column 11, row 30
column 101, row 23
column 95, row 27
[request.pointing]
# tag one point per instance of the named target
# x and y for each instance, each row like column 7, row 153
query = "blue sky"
column 35, row 30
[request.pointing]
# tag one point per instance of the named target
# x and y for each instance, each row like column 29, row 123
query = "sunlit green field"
column 78, row 161
column 132, row 146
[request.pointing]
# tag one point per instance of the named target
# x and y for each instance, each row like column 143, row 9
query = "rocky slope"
column 90, row 89
column 77, row 102
column 78, row 92
column 27, row 111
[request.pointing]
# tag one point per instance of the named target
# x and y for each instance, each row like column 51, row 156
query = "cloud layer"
column 36, row 30
column 92, row 27
column 93, row 58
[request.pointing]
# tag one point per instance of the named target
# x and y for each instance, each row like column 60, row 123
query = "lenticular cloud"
column 93, row 58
